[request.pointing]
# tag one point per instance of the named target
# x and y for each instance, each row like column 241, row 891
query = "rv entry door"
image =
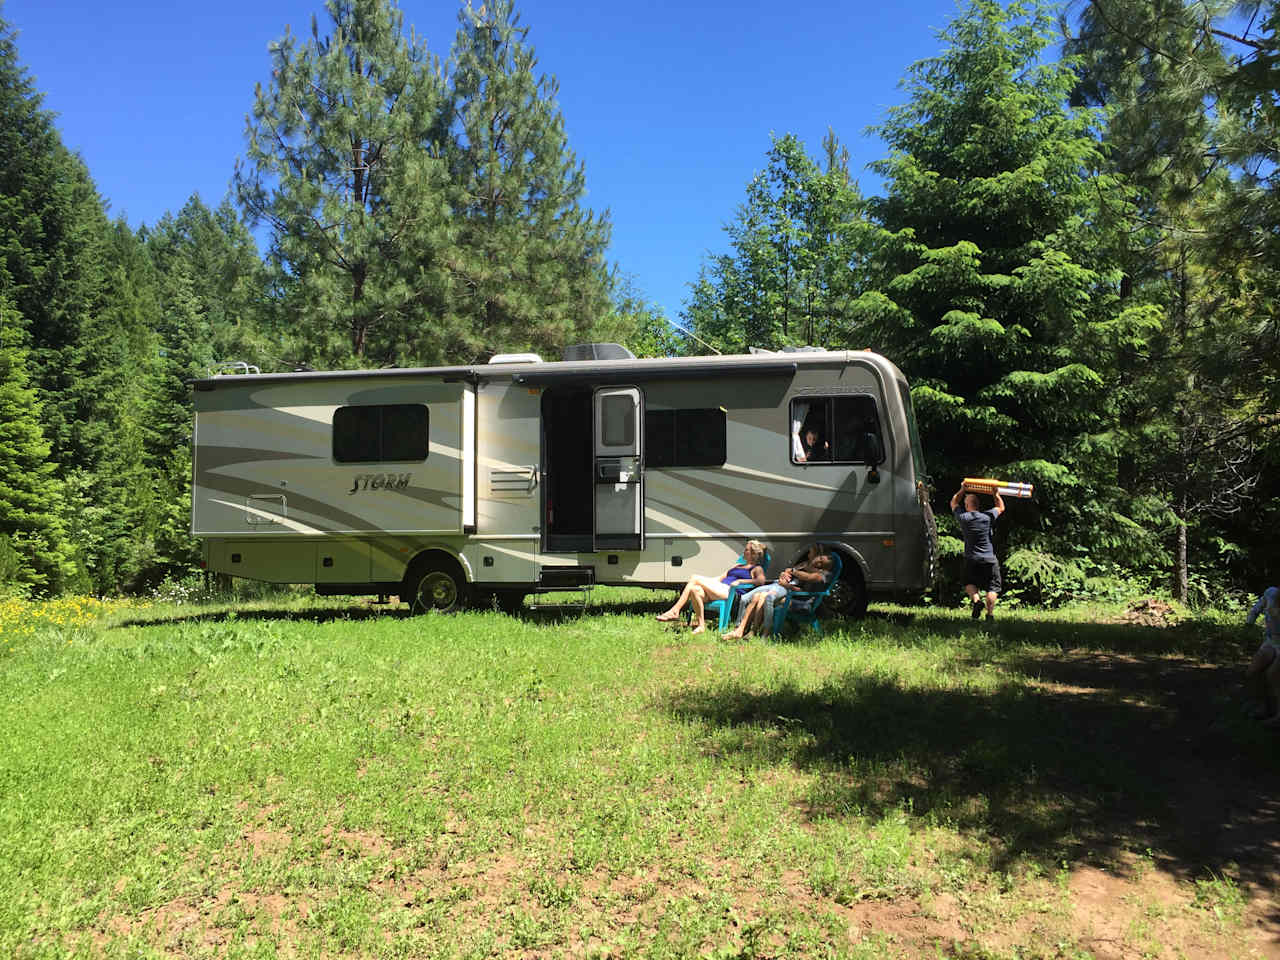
column 619, row 478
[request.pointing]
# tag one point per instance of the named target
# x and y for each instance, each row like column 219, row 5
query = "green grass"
column 312, row 778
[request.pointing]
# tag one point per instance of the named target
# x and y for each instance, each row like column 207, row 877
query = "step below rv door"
column 618, row 468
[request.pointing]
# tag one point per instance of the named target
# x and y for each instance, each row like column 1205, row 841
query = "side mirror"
column 875, row 453
column 875, row 449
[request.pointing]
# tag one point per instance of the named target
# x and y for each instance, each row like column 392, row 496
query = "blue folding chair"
column 723, row 610
column 802, row 605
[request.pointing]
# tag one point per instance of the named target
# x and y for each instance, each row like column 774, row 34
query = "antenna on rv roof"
column 690, row 333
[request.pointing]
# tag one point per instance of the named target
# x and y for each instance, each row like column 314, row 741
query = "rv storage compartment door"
column 619, row 481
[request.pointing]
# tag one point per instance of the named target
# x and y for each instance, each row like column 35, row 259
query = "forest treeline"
column 1075, row 258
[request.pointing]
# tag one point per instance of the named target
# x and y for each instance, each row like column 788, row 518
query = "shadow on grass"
column 1206, row 641
column 309, row 615
column 1079, row 758
column 549, row 613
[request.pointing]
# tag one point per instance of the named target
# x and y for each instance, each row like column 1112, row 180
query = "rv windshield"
column 917, row 451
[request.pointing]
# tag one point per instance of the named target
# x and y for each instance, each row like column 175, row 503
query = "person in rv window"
column 700, row 591
column 812, row 573
column 813, row 446
column 836, row 429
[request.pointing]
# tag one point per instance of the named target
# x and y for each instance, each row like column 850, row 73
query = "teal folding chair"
column 723, row 610
column 802, row 606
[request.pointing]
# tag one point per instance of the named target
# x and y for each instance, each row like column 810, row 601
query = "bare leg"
column 699, row 619
column 673, row 612
column 748, row 617
column 991, row 601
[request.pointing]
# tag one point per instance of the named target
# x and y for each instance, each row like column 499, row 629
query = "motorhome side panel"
column 706, row 513
column 345, row 463
column 508, row 529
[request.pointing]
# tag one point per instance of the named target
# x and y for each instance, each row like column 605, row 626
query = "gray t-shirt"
column 976, row 526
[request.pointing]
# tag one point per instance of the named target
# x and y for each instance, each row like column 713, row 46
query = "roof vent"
column 598, row 351
column 515, row 358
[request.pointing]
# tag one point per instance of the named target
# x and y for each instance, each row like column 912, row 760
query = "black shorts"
column 983, row 574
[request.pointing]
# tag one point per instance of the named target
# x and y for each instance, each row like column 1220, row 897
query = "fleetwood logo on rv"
column 379, row 481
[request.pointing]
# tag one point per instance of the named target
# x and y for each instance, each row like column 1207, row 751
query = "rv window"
column 619, row 429
column 685, row 438
column 389, row 432
column 913, row 430
column 835, row 430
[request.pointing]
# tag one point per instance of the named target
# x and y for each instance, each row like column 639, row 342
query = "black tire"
column 436, row 584
column 848, row 598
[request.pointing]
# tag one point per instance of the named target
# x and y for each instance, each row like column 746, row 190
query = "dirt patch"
column 1148, row 612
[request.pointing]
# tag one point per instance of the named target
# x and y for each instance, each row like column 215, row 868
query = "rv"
column 489, row 482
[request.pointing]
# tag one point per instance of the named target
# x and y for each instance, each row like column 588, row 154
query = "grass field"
column 307, row 778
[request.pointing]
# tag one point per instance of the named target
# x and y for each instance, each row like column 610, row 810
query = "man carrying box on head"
column 981, row 568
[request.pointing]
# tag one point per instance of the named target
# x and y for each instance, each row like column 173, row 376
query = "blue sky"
column 668, row 105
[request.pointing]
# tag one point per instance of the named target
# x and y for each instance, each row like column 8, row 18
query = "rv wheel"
column 440, row 587
column 849, row 596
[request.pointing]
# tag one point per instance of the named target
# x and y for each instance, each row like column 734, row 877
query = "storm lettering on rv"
column 379, row 481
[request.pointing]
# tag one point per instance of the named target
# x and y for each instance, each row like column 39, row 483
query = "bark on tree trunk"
column 1180, row 557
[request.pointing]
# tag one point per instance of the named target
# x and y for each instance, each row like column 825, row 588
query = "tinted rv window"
column 685, row 438
column 619, row 421
column 835, row 430
column 389, row 432
column 917, row 451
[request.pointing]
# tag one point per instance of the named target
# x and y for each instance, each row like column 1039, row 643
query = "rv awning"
column 644, row 373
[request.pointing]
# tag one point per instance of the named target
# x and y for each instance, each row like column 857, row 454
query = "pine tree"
column 85, row 315
column 30, row 495
column 340, row 166
column 530, row 270
column 1194, row 423
column 214, row 263
column 1002, row 307
column 798, row 245
column 112, row 523
column 51, row 234
column 212, row 289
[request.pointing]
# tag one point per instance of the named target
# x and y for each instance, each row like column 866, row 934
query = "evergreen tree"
column 30, row 496
column 112, row 496
column 214, row 264
column 51, row 235
column 340, row 166
column 1002, row 309
column 214, row 307
column 799, row 245
column 528, row 268
column 1194, row 418
column 84, row 307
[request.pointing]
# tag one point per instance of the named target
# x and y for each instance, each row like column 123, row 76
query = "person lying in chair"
column 812, row 573
column 700, row 591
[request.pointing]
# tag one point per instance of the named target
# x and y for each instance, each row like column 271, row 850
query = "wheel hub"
column 437, row 591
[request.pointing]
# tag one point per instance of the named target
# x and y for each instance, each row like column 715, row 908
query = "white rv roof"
column 582, row 371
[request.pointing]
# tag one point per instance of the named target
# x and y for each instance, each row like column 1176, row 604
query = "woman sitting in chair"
column 700, row 591
column 812, row 573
